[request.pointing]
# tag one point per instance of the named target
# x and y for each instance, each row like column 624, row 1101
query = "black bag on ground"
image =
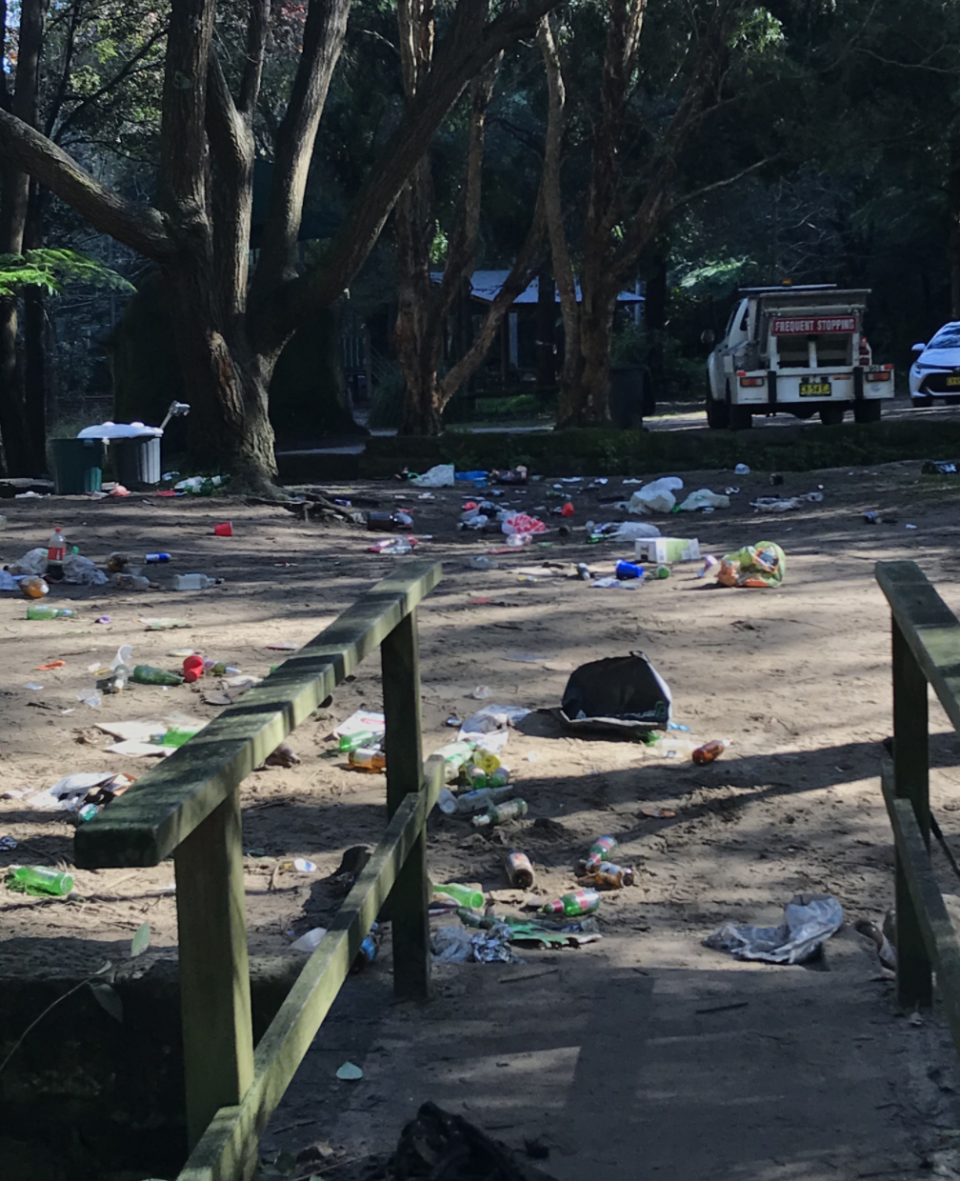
column 621, row 694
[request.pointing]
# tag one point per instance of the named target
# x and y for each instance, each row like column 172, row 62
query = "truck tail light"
column 751, row 381
column 879, row 375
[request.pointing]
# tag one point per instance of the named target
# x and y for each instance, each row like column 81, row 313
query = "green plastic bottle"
column 178, row 735
column 146, row 674
column 501, row 813
column 571, row 905
column 350, row 742
column 462, row 895
column 38, row 879
column 42, row 611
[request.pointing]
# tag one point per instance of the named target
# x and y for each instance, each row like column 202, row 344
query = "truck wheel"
column 867, row 411
column 718, row 414
column 832, row 415
column 741, row 418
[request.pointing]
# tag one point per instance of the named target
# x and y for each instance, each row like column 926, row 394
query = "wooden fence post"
column 911, row 764
column 214, row 966
column 409, row 903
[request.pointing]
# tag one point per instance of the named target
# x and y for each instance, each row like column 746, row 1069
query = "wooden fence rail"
column 189, row 807
column 926, row 650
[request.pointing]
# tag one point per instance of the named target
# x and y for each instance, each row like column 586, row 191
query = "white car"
column 936, row 371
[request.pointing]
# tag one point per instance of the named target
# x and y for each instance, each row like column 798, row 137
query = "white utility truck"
column 796, row 350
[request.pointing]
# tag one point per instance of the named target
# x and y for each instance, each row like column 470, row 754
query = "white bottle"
column 193, row 582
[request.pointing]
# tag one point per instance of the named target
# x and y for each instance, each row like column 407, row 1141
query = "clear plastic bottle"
column 193, row 582
column 42, row 611
column 501, row 813
column 580, row 902
column 483, row 797
column 56, row 552
column 39, row 879
column 368, row 758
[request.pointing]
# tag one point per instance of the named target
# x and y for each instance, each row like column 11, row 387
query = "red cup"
column 224, row 529
column 192, row 669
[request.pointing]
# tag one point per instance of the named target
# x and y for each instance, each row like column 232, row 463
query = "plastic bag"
column 32, row 562
column 523, row 524
column 82, row 571
column 808, row 921
column 635, row 531
column 704, row 498
column 656, row 497
column 760, row 565
column 8, row 582
column 621, row 694
column 491, row 718
column 440, row 476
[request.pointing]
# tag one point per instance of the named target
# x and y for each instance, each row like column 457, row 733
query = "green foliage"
column 53, row 270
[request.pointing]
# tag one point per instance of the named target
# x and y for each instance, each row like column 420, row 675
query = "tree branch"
column 140, row 227
column 696, row 194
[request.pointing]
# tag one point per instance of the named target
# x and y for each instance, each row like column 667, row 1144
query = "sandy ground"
column 625, row 1052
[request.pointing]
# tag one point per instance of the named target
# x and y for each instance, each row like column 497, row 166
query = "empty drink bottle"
column 39, row 879
column 580, row 902
column 501, row 813
column 614, row 877
column 599, row 851
column 462, row 895
column 710, row 751
column 56, row 552
column 366, row 758
column 520, row 871
column 146, row 674
column 33, row 587
column 42, row 611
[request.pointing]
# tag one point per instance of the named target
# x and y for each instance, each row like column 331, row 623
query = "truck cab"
column 799, row 350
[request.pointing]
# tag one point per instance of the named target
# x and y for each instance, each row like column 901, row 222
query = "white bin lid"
column 119, row 430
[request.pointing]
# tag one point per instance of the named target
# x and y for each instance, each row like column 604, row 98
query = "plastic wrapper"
column 703, row 498
column 82, row 571
column 760, row 565
column 440, row 476
column 808, row 922
column 656, row 497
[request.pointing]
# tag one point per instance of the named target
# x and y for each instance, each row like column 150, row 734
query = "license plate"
column 814, row 389
column 953, row 379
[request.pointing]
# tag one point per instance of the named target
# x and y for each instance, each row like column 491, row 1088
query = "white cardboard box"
column 667, row 549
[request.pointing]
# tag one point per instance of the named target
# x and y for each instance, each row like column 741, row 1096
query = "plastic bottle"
column 520, row 871
column 487, row 760
column 501, row 813
column 56, row 552
column 627, row 570
column 710, row 751
column 350, row 742
column 42, row 611
column 33, row 587
column 368, row 951
column 599, row 851
column 580, row 902
column 462, row 895
column 481, row 798
column 152, row 559
column 178, row 735
column 193, row 582
column 39, row 879
column 613, row 876
column 367, row 758
column 146, row 674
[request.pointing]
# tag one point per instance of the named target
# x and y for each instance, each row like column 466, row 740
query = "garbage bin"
column 77, row 465
column 136, row 461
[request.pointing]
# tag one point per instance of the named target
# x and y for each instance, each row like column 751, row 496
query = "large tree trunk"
column 593, row 402
column 953, row 198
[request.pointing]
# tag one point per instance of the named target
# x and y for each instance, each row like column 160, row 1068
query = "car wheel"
column 832, row 415
column 920, row 400
column 718, row 413
column 867, row 411
column 952, row 400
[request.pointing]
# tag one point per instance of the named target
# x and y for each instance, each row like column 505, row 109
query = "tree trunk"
column 953, row 197
column 546, row 342
column 592, row 406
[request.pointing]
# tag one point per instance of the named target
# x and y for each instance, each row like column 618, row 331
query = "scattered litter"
column 760, row 565
column 619, row 695
column 455, row 945
column 7, row 844
column 577, row 903
column 66, row 794
column 310, row 940
column 500, row 814
column 709, row 561
column 656, row 497
column 440, row 476
column 283, row 646
column 103, row 619
column 940, row 467
column 349, row 1073
column 91, row 697
column 188, row 582
column 42, row 668
column 520, row 871
column 608, row 583
column 491, row 718
column 703, row 500
column 610, row 876
column 39, row 880
column 667, row 549
column 82, row 571
column 224, row 529
column 302, row 865
column 159, row 623
column 741, row 470
column 710, row 751
column 785, row 504
column 8, row 582
column 809, row 920
column 522, row 525
column 34, row 686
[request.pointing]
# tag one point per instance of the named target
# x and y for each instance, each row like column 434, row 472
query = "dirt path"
column 814, row 1076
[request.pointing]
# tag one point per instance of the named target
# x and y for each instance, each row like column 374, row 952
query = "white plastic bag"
column 656, row 497
column 440, row 476
column 32, row 562
column 636, row 531
column 704, row 498
column 82, row 571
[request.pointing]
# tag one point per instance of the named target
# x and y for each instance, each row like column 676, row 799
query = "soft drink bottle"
column 350, row 742
column 501, row 813
column 484, row 797
column 368, row 951
column 598, row 851
column 520, row 871
column 615, row 877
column 42, row 611
column 580, row 902
column 710, row 751
column 39, row 879
column 146, row 674
column 462, row 895
column 366, row 758
column 33, row 587
column 56, row 552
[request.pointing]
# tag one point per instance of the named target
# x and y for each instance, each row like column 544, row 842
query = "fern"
column 53, row 269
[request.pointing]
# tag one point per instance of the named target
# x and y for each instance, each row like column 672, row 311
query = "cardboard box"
column 667, row 549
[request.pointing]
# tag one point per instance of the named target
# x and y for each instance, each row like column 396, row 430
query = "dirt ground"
column 714, row 1068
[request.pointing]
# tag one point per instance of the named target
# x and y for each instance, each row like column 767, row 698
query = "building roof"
column 485, row 285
